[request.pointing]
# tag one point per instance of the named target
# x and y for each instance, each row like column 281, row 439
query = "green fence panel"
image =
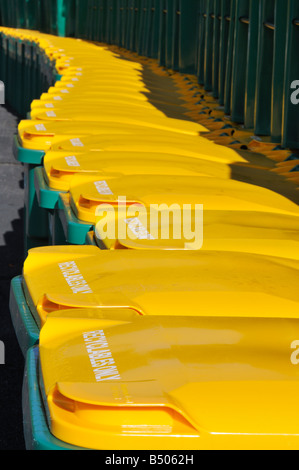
column 216, row 16
column 90, row 5
column 176, row 27
column 240, row 51
column 209, row 32
column 11, row 80
column 20, row 13
column 223, row 47
column 162, row 33
column 70, row 18
column 100, row 19
column 32, row 14
column 111, row 21
column 60, row 17
column 171, row 37
column 137, row 26
column 4, row 59
column 187, row 36
column 251, row 65
column 229, row 62
column 28, row 73
column 143, row 14
column 280, row 54
column 129, row 24
column 264, row 68
column 201, row 38
column 153, row 29
column 121, row 19
column 81, row 28
column 290, row 137
column 21, row 94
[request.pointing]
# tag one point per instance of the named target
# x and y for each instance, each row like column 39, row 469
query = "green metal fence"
column 45, row 15
column 242, row 51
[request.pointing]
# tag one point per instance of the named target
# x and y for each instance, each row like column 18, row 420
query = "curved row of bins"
column 136, row 341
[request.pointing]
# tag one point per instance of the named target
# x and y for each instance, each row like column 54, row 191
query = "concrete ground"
column 11, row 261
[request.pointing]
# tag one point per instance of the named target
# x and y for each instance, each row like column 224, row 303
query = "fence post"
column 240, row 61
column 280, row 53
column 162, row 33
column 251, row 65
column 229, row 62
column 224, row 35
column 201, row 38
column 154, row 29
column 216, row 47
column 81, row 19
column 264, row 68
column 209, row 31
column 290, row 137
column 187, row 39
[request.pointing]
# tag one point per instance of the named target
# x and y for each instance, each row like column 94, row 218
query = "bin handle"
column 269, row 25
column 244, row 20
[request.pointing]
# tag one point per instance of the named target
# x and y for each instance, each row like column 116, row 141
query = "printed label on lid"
column 76, row 143
column 57, row 98
column 74, row 278
column 49, row 105
column 103, row 188
column 40, row 127
column 139, row 230
column 72, row 161
column 51, row 114
column 100, row 356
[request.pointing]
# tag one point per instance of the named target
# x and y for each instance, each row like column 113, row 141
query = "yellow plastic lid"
column 147, row 141
column 103, row 107
column 175, row 283
column 101, row 102
column 88, row 192
column 98, row 74
column 135, row 85
column 170, row 383
column 60, row 171
column 231, row 231
column 92, row 61
column 125, row 116
column 53, row 96
column 42, row 135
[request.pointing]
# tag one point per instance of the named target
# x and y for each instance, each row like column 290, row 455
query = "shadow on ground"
column 11, row 263
column 11, row 373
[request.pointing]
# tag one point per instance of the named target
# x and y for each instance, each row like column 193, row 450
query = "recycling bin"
column 36, row 431
column 67, row 384
column 83, row 277
column 59, row 170
column 86, row 195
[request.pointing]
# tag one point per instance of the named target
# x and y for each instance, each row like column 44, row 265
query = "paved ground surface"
column 11, row 261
